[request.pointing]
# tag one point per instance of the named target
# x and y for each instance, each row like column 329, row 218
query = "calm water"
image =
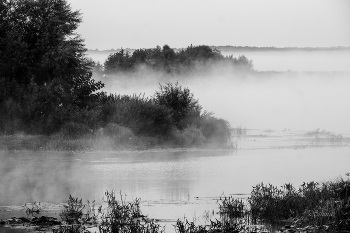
column 170, row 184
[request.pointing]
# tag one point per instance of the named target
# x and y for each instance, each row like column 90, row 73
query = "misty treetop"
column 166, row 59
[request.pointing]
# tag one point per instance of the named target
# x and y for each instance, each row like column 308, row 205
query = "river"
column 173, row 183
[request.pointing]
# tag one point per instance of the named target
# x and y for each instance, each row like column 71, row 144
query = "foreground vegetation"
column 47, row 90
column 314, row 207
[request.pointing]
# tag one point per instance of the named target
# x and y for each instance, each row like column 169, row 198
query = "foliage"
column 216, row 226
column 73, row 211
column 122, row 216
column 216, row 131
column 33, row 208
column 142, row 115
column 120, row 134
column 42, row 64
column 312, row 204
column 168, row 60
column 231, row 210
column 73, row 130
column 185, row 110
column 190, row 136
column 46, row 84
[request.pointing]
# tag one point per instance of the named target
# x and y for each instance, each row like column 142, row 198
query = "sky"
column 116, row 24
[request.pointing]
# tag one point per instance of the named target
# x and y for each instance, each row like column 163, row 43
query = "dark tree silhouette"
column 43, row 68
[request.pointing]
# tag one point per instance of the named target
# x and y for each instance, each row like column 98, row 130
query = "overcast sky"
column 146, row 23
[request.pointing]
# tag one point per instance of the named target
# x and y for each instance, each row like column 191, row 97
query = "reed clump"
column 313, row 203
column 231, row 218
column 122, row 216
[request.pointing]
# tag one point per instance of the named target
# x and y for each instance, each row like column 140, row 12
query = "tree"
column 184, row 108
column 41, row 53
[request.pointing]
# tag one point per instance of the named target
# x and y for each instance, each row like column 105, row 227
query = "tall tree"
column 42, row 55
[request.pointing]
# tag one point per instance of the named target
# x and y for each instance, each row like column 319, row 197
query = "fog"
column 309, row 91
column 332, row 60
column 260, row 100
column 297, row 60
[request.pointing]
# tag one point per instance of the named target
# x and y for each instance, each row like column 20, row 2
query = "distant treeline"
column 242, row 48
column 229, row 48
column 166, row 59
column 46, row 85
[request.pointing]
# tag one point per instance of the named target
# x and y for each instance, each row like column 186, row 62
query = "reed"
column 313, row 203
column 122, row 216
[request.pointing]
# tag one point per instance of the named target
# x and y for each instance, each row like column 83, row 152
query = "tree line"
column 166, row 59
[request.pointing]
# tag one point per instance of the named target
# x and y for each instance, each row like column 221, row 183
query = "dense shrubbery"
column 172, row 115
column 193, row 58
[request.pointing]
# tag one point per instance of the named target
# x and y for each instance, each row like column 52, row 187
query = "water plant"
column 73, row 211
column 122, row 216
column 231, row 216
column 33, row 208
column 313, row 203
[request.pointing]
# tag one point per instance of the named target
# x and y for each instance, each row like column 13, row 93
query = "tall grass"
column 313, row 203
column 122, row 216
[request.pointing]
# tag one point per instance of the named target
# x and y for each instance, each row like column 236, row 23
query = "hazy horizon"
column 279, row 23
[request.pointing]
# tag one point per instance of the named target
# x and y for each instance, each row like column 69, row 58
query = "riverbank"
column 96, row 143
column 248, row 139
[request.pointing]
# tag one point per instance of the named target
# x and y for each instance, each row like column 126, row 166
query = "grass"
column 312, row 207
column 312, row 204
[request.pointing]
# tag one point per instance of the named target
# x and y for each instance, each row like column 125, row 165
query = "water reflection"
column 181, row 176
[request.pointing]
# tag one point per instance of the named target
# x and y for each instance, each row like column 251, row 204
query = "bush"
column 122, row 216
column 73, row 130
column 73, row 211
column 216, row 131
column 185, row 110
column 120, row 134
column 231, row 212
column 312, row 204
column 140, row 114
column 190, row 136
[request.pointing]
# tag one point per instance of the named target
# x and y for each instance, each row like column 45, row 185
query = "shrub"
column 73, row 130
column 231, row 211
column 122, row 216
column 185, row 110
column 312, row 204
column 119, row 133
column 73, row 211
column 216, row 131
column 190, row 136
column 140, row 114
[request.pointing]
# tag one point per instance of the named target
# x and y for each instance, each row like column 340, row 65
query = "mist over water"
column 287, row 100
column 297, row 60
column 312, row 95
